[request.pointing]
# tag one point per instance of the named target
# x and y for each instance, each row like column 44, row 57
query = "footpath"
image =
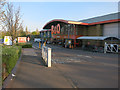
column 32, row 73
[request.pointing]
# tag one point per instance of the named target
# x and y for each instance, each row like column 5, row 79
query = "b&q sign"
column 21, row 39
column 55, row 29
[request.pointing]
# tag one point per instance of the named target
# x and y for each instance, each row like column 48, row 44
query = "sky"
column 37, row 14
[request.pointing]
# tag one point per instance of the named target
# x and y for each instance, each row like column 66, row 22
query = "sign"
column 21, row 39
column 55, row 29
column 8, row 40
column 28, row 39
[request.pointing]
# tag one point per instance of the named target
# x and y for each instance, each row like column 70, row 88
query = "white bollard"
column 49, row 57
column 46, row 55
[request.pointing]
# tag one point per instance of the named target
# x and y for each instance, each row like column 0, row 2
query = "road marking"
column 88, row 56
column 34, row 47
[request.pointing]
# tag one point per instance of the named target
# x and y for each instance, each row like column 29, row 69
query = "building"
column 93, row 31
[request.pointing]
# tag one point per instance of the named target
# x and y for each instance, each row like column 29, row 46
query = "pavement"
column 31, row 73
column 70, row 69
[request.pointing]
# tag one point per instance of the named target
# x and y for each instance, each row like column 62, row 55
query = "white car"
column 37, row 39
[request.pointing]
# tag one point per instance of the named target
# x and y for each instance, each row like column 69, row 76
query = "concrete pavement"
column 31, row 73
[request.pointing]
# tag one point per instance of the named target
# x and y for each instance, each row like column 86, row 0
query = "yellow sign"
column 6, row 40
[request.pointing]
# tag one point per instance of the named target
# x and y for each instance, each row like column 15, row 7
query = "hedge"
column 10, row 55
column 24, row 45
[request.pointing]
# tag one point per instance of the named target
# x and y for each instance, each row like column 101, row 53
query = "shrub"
column 10, row 55
column 25, row 45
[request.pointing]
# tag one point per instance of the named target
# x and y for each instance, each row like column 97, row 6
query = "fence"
column 110, row 48
column 46, row 55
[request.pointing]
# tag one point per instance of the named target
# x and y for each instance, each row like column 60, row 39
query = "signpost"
column 28, row 39
column 21, row 39
column 8, row 40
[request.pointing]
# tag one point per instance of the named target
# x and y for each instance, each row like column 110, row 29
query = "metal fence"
column 111, row 48
column 46, row 55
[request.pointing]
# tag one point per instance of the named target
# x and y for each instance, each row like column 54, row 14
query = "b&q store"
column 93, row 31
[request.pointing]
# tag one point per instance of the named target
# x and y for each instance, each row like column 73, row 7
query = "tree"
column 2, row 4
column 34, row 33
column 37, row 32
column 12, row 20
column 26, row 30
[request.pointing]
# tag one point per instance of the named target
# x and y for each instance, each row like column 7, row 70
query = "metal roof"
column 55, row 21
column 102, row 18
column 95, row 37
column 114, row 17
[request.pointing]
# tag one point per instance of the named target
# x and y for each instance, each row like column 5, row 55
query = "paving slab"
column 31, row 73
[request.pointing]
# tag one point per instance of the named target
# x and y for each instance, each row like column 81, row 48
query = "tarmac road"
column 86, row 69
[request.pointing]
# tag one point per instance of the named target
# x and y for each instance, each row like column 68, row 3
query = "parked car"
column 48, row 42
column 37, row 40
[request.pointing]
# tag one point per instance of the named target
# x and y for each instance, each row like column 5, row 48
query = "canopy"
column 97, row 37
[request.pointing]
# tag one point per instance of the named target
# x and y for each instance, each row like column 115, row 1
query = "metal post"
column 74, row 36
column 68, row 30
column 105, row 47
column 117, row 48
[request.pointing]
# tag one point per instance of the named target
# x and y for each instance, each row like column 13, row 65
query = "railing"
column 110, row 48
column 46, row 55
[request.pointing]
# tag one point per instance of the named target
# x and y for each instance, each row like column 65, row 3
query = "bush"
column 25, row 45
column 10, row 55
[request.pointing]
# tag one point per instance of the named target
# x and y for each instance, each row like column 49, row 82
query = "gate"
column 110, row 48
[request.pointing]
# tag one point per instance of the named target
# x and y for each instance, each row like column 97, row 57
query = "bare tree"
column 2, row 3
column 12, row 20
column 2, row 11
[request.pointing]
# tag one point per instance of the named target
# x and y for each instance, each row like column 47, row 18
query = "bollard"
column 72, row 46
column 46, row 55
column 44, row 44
column 39, row 45
column 49, row 57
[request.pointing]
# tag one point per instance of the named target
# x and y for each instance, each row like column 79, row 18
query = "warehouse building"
column 94, row 31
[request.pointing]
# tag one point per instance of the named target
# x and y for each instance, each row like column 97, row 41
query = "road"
column 86, row 69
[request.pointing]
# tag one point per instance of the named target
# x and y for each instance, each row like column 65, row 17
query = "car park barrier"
column 46, row 55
